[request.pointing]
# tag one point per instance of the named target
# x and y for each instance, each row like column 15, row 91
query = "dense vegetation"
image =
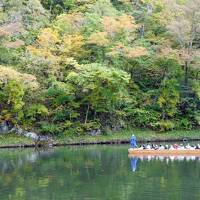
column 72, row 66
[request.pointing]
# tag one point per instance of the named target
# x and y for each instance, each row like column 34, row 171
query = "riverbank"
column 122, row 137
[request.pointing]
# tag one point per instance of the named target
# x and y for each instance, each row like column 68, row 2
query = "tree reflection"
column 96, row 173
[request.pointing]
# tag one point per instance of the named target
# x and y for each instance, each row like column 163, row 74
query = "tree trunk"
column 142, row 31
column 186, row 73
column 86, row 116
column 95, row 114
column 51, row 4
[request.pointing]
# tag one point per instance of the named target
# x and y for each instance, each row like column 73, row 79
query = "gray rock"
column 19, row 131
column 13, row 130
column 4, row 128
column 38, row 139
column 94, row 132
column 43, row 138
column 31, row 135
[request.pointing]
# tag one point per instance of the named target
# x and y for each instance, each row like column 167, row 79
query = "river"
column 96, row 173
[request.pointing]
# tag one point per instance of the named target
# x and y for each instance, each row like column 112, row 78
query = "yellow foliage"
column 29, row 81
column 43, row 53
column 48, row 38
column 53, row 48
column 72, row 46
column 46, row 46
column 99, row 38
column 68, row 62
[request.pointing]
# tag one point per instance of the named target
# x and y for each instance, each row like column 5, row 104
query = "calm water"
column 96, row 173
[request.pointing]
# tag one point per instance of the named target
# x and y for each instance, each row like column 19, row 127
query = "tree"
column 27, row 14
column 97, row 87
column 185, row 28
column 13, row 86
column 169, row 98
column 19, row 21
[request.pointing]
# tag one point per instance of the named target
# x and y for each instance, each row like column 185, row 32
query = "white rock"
column 32, row 135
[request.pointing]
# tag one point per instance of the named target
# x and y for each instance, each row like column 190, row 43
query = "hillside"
column 70, row 67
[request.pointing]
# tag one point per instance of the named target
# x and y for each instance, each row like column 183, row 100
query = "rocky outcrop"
column 4, row 127
column 94, row 132
column 39, row 140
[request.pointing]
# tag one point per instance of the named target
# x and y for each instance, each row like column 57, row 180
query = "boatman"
column 133, row 141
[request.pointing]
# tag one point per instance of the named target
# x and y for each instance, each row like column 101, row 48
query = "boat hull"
column 166, row 152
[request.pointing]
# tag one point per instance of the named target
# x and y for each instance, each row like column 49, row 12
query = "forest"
column 69, row 67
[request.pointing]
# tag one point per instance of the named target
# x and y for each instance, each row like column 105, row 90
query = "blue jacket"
column 133, row 142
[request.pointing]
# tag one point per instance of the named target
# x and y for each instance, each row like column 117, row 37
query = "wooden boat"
column 165, row 152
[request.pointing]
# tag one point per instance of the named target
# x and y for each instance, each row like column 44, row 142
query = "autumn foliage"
column 70, row 67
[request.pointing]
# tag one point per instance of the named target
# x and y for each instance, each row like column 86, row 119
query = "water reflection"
column 134, row 163
column 17, row 158
column 96, row 173
column 134, row 160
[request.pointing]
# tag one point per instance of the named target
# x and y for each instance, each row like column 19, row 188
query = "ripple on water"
column 96, row 173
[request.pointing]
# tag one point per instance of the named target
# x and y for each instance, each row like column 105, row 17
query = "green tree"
column 97, row 87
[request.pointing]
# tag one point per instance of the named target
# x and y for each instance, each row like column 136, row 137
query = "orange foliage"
column 113, row 25
column 12, row 29
column 3, row 32
column 136, row 52
column 128, row 52
column 15, row 44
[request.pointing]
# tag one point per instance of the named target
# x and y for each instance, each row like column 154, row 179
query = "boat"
column 164, row 152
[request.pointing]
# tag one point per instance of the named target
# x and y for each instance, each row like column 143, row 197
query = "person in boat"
column 198, row 146
column 148, row 146
column 175, row 146
column 161, row 147
column 190, row 147
column 166, row 146
column 133, row 141
column 181, row 147
column 155, row 147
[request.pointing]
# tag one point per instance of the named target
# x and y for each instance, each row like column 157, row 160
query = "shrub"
column 36, row 110
column 164, row 125
column 185, row 123
column 49, row 128
column 141, row 117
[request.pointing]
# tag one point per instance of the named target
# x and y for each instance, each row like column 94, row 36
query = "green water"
column 96, row 173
